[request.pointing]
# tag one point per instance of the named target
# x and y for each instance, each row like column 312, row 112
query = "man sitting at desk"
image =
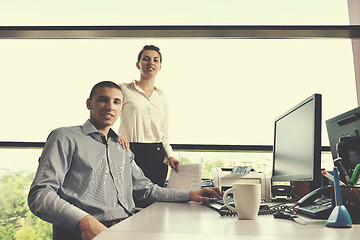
column 86, row 181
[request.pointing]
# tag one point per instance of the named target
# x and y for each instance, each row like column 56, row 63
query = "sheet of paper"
column 188, row 177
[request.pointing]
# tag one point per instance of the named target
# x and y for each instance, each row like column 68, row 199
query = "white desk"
column 188, row 221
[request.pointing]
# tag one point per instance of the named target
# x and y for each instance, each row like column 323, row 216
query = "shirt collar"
column 158, row 90
column 90, row 129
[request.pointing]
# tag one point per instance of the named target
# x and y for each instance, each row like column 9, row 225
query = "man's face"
column 105, row 107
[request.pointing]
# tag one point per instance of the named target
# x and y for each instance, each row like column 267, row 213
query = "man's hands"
column 204, row 194
column 173, row 162
column 90, row 227
column 124, row 142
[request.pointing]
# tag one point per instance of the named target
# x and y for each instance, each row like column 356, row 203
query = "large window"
column 220, row 91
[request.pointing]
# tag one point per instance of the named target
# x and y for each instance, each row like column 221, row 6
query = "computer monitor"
column 344, row 137
column 297, row 144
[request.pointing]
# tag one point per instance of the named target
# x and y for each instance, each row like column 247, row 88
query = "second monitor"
column 344, row 137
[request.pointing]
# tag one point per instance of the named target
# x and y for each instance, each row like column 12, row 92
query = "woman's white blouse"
column 145, row 119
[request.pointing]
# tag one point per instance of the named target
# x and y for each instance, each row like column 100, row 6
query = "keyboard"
column 219, row 206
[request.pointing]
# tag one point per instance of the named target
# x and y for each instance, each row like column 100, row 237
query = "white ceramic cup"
column 247, row 198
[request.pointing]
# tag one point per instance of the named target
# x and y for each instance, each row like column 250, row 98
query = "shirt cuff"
column 182, row 196
column 71, row 217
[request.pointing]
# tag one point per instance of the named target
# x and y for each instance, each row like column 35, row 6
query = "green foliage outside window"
column 16, row 220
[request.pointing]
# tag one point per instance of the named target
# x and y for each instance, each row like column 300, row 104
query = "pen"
column 331, row 177
column 338, row 198
column 341, row 169
column 355, row 176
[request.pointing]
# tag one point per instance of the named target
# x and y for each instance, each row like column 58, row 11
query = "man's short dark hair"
column 108, row 84
column 149, row 47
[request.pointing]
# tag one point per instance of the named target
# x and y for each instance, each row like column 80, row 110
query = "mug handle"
column 224, row 199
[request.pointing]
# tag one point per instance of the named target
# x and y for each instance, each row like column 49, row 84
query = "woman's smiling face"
column 149, row 64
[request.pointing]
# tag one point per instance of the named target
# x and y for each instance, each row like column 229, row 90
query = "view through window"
column 220, row 91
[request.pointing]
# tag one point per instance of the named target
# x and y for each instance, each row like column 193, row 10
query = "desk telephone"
column 317, row 203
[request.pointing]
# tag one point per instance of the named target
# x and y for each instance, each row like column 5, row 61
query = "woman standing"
column 144, row 118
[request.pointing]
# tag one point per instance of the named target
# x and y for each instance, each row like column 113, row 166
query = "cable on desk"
column 264, row 210
column 275, row 209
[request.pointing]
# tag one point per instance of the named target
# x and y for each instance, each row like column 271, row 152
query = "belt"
column 111, row 223
column 147, row 146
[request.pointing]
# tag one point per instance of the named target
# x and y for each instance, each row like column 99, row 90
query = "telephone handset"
column 311, row 197
column 317, row 203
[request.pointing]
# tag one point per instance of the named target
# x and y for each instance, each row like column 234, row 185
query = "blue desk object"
column 339, row 216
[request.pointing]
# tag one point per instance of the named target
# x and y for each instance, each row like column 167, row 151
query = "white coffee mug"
column 247, row 198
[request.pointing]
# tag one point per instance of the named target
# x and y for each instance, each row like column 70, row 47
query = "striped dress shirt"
column 81, row 173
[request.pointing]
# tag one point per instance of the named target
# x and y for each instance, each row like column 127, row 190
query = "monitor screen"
column 345, row 130
column 297, row 143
